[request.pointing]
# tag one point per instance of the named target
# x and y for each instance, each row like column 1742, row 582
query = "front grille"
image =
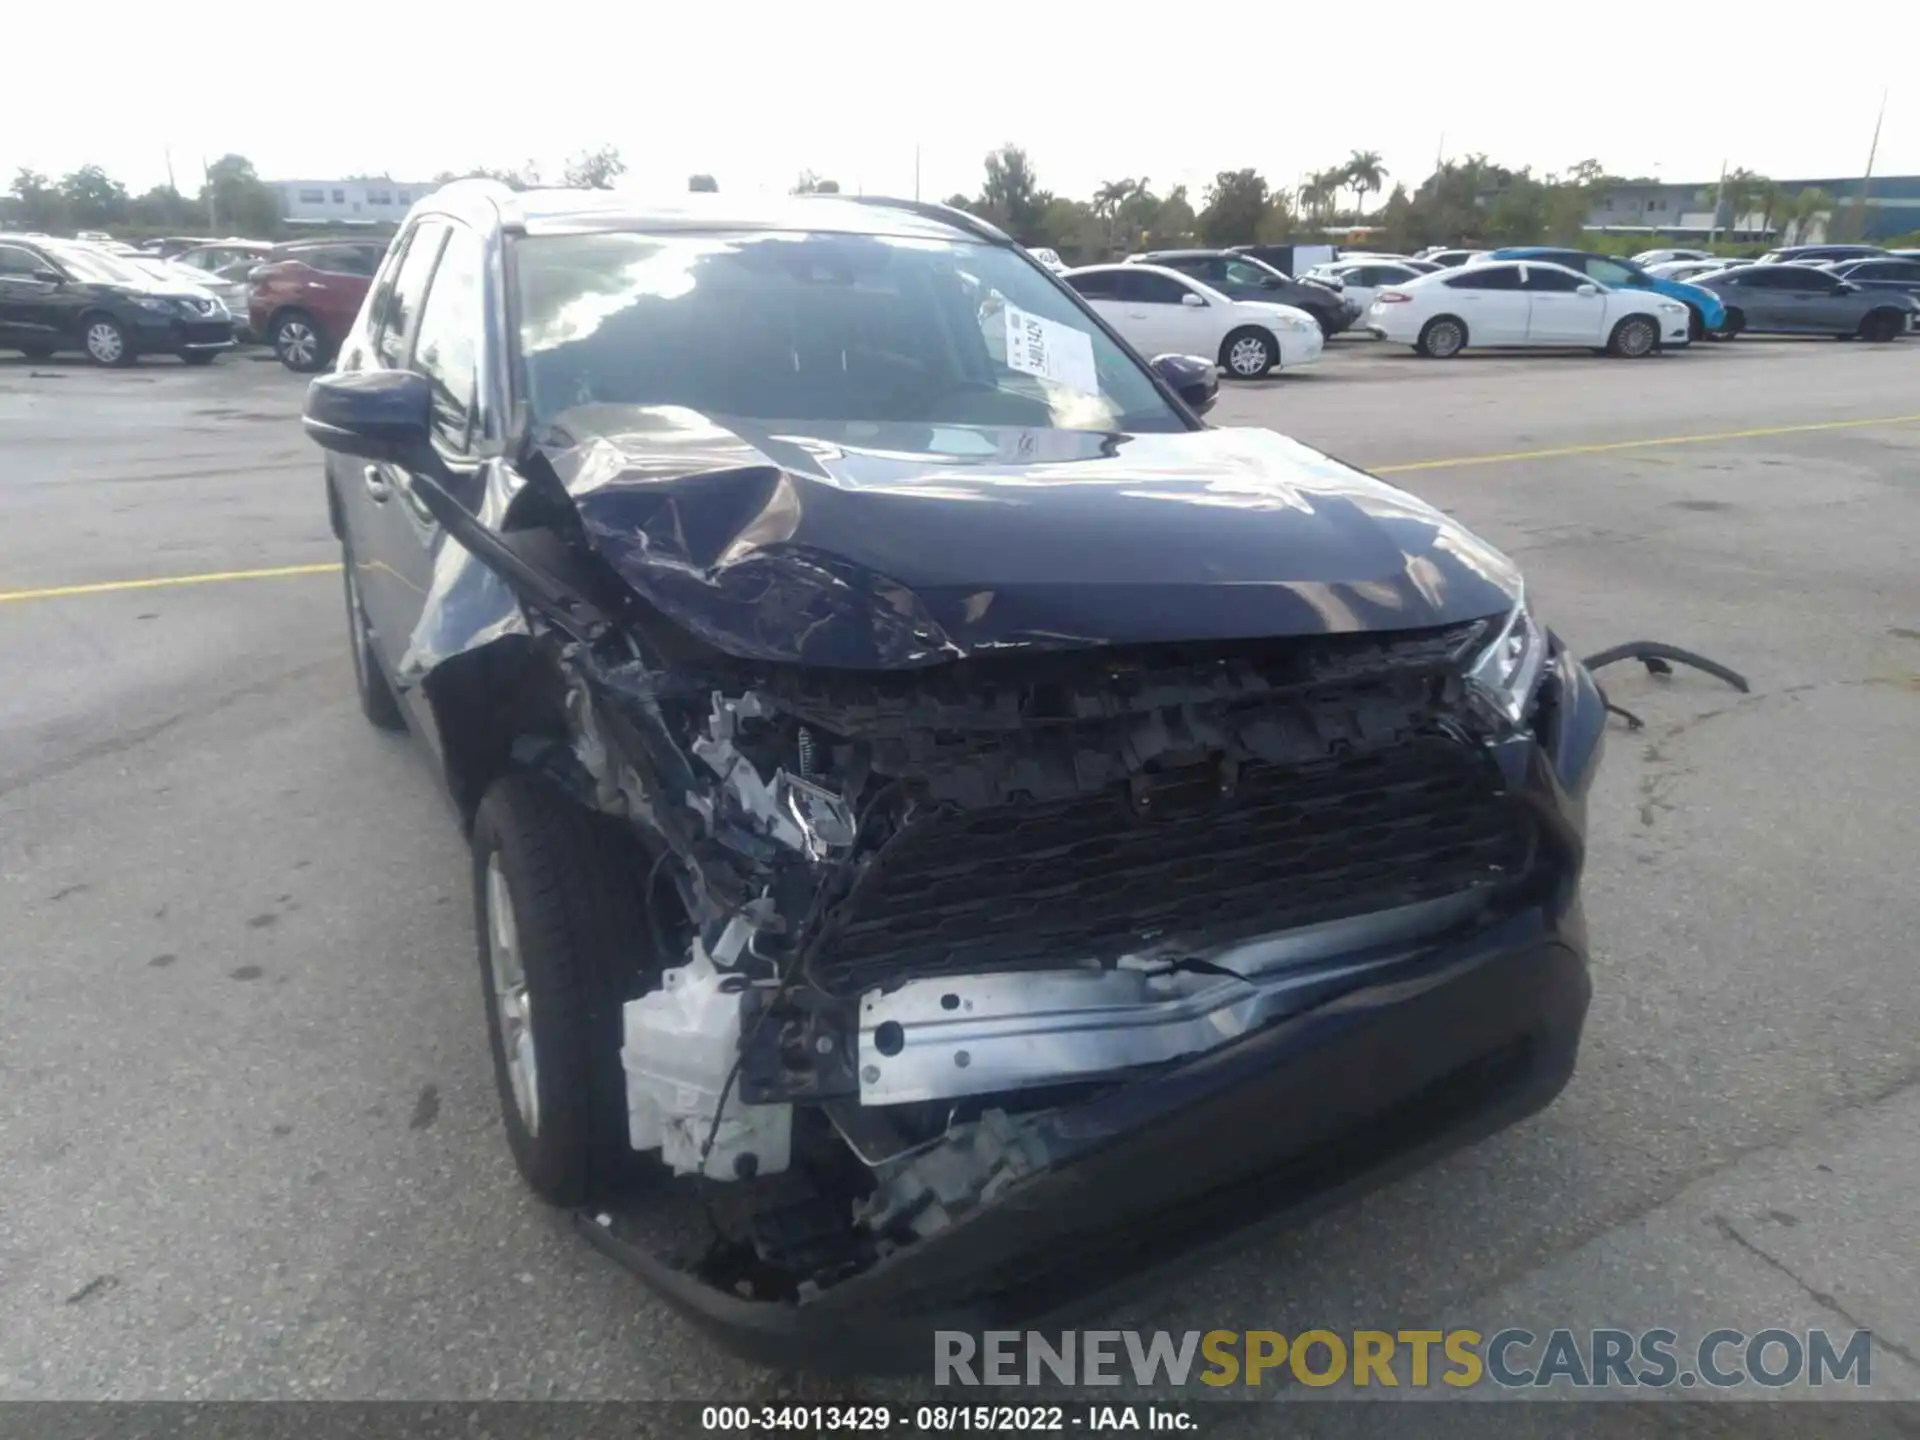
column 1095, row 876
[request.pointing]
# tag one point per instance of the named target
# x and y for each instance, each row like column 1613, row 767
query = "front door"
column 1161, row 318
column 1558, row 313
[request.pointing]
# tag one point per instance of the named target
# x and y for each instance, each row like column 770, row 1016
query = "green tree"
column 92, row 197
column 1011, row 197
column 42, row 205
column 1734, row 197
column 237, row 200
column 812, row 184
column 1365, row 174
column 1174, row 223
column 1805, row 207
column 594, row 169
column 1236, row 203
column 703, row 184
column 526, row 177
column 1319, row 191
column 961, row 202
column 163, row 208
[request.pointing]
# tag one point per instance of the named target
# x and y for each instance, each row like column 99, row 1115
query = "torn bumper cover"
column 1436, row 1051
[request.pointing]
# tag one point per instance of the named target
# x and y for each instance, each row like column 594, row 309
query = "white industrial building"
column 362, row 202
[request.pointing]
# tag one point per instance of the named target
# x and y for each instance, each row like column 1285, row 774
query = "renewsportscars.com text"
column 1511, row 1358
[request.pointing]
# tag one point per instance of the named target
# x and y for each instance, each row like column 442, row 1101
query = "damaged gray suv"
column 950, row 828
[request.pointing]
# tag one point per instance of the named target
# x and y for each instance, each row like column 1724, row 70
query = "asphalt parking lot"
column 250, row 1144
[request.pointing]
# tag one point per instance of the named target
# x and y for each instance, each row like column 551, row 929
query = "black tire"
column 1734, row 324
column 1248, row 353
column 299, row 342
column 573, row 880
column 377, row 700
column 37, row 352
column 106, row 341
column 198, row 357
column 1696, row 326
column 1881, row 326
column 1442, row 337
column 1634, row 337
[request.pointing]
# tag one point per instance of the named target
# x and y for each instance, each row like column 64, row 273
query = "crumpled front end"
column 992, row 958
column 955, row 934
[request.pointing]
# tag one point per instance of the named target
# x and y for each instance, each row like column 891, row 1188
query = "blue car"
column 1706, row 315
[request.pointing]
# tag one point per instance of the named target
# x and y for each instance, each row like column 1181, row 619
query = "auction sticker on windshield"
column 1051, row 350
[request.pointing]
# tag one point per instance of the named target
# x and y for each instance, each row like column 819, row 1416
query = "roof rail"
column 933, row 210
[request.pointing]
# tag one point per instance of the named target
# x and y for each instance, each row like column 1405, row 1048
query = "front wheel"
column 563, row 940
column 37, row 352
column 1735, row 322
column 1882, row 326
column 1248, row 354
column 296, row 340
column 197, row 357
column 1696, row 327
column 107, row 342
column 1633, row 337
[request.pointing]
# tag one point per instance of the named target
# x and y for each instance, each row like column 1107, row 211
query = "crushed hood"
column 890, row 547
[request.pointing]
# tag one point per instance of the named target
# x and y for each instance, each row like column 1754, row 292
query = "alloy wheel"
column 1247, row 357
column 299, row 346
column 512, row 1005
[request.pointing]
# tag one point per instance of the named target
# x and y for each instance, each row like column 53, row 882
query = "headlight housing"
column 1504, row 676
column 154, row 303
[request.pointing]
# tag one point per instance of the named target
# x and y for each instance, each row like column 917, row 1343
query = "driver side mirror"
column 1587, row 289
column 1193, row 301
column 1190, row 377
column 1847, row 287
column 49, row 277
column 375, row 415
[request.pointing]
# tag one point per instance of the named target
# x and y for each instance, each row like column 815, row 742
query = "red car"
column 306, row 295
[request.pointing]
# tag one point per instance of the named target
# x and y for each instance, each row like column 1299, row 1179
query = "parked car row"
column 114, row 304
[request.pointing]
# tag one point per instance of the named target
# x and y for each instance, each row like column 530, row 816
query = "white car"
column 1647, row 259
column 1364, row 275
column 1160, row 311
column 1050, row 258
column 1523, row 302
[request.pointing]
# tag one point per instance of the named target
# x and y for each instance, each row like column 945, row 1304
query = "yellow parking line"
column 1559, row 450
column 162, row 582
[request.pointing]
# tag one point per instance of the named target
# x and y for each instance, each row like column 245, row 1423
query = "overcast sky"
column 755, row 92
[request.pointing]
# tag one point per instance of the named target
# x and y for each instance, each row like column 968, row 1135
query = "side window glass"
column 1146, row 289
column 1541, row 277
column 399, row 310
column 446, row 347
column 1098, row 286
column 19, row 263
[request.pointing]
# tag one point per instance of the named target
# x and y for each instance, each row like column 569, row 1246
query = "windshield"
column 98, row 267
column 818, row 332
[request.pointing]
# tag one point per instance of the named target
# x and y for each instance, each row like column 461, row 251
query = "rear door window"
column 1486, row 277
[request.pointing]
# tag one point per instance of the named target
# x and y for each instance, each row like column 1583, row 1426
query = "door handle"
column 378, row 485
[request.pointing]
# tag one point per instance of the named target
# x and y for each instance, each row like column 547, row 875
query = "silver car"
column 1805, row 300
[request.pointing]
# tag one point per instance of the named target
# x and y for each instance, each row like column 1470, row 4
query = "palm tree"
column 1365, row 174
column 1319, row 189
column 1736, row 196
column 1801, row 211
